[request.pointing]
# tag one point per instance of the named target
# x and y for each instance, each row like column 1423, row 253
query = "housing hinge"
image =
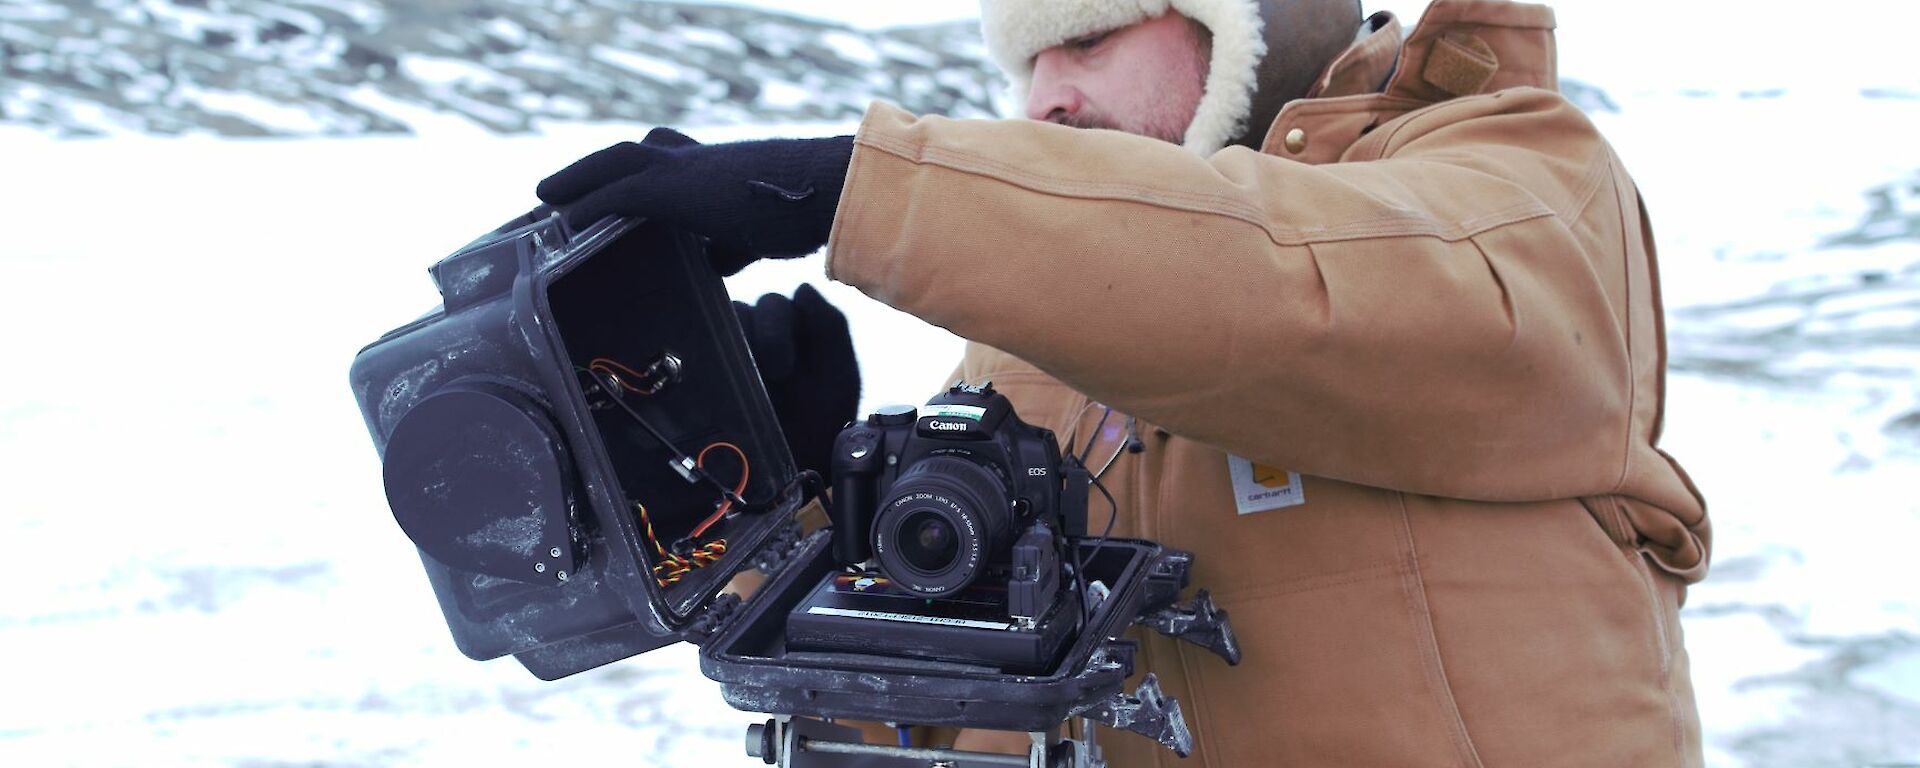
column 710, row 622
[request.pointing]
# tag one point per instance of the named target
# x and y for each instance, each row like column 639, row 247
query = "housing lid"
column 578, row 442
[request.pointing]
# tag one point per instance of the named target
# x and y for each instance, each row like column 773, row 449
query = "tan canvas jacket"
column 1431, row 296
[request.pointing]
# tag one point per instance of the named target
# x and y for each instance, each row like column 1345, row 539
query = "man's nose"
column 1053, row 96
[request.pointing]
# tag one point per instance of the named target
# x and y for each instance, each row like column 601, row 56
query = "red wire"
column 608, row 365
column 746, row 470
column 673, row 567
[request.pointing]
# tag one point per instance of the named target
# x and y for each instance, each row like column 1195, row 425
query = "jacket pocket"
column 1342, row 533
column 1339, row 672
column 1554, row 633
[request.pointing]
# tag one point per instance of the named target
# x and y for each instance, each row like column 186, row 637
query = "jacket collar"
column 1363, row 68
column 1464, row 47
column 1460, row 47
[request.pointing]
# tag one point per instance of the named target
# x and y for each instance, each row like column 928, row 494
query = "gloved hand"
column 750, row 199
column 805, row 356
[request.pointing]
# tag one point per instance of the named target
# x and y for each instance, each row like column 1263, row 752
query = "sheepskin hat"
column 1018, row 30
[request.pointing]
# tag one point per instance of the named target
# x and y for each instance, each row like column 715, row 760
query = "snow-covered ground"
column 200, row 568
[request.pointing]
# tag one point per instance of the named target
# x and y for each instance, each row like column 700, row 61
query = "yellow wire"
column 672, row 567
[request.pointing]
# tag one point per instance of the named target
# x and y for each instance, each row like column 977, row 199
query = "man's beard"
column 1153, row 129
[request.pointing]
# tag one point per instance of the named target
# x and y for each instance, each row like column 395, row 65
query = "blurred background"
column 208, row 206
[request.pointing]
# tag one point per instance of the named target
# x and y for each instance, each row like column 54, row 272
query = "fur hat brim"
column 1018, row 30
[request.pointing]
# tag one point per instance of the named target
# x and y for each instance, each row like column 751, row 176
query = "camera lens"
column 944, row 518
column 930, row 544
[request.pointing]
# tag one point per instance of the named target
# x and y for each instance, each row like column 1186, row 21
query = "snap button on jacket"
column 1439, row 307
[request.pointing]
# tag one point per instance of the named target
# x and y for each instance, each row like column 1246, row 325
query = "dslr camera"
column 952, row 521
column 579, row 445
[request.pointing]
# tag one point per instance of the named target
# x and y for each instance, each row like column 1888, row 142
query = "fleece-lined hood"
column 1245, row 86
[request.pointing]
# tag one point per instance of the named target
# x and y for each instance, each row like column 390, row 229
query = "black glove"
column 751, row 199
column 805, row 356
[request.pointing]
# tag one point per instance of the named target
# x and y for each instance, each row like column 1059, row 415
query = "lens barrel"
column 934, row 531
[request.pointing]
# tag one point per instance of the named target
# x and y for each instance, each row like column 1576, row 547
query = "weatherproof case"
column 522, row 488
column 520, row 493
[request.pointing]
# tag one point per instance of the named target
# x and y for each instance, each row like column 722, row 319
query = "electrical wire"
column 1080, row 563
column 1113, row 509
column 1117, row 450
column 1105, row 412
column 612, row 369
column 1131, row 444
column 1073, row 427
column 726, row 503
column 1080, row 566
column 674, row 566
column 688, row 467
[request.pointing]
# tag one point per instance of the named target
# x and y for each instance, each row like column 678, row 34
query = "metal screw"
column 539, row 567
column 555, row 552
column 563, row 575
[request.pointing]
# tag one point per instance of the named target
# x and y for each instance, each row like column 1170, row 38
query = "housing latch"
column 1201, row 623
column 1147, row 712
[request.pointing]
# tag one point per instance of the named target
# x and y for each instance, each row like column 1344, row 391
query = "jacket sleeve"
column 1435, row 320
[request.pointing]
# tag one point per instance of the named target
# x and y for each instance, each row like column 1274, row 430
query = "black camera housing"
column 515, row 477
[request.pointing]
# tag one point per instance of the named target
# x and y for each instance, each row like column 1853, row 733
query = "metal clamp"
column 1147, row 712
column 1202, row 624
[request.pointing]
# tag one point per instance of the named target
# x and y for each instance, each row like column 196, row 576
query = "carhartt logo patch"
column 1259, row 488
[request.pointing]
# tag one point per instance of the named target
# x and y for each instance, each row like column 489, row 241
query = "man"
column 1388, row 319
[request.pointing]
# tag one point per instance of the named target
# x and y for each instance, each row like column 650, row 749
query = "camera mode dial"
column 892, row 416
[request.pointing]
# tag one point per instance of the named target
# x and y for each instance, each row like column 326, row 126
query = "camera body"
column 952, row 523
column 938, row 497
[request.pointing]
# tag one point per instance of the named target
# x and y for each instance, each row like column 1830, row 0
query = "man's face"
column 1145, row 79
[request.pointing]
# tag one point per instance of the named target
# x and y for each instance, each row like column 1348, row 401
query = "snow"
column 855, row 49
column 867, row 14
column 711, row 39
column 647, row 65
column 778, row 94
column 267, row 113
column 202, row 569
column 190, row 490
column 441, row 70
column 31, row 12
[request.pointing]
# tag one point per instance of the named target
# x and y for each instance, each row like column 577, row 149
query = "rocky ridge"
column 347, row 67
column 258, row 68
